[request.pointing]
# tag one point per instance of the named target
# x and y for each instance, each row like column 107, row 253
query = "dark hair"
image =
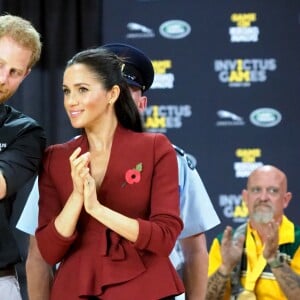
column 108, row 68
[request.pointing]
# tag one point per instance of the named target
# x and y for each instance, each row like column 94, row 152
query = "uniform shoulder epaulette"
column 178, row 150
column 187, row 157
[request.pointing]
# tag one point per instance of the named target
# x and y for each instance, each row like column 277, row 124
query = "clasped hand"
column 231, row 250
column 271, row 241
column 83, row 183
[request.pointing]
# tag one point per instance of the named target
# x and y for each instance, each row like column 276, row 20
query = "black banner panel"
column 226, row 87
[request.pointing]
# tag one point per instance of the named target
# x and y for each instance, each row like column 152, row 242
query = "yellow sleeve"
column 214, row 258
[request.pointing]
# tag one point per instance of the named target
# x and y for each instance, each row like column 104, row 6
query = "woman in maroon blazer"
column 109, row 199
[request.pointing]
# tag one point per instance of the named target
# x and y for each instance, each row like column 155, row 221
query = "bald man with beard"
column 241, row 264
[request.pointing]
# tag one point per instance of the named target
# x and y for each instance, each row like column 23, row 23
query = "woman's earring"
column 109, row 102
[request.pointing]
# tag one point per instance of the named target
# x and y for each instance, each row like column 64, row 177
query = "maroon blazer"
column 95, row 260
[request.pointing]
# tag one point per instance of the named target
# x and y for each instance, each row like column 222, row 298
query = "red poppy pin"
column 133, row 175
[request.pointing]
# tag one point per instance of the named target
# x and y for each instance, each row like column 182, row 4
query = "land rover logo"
column 265, row 117
column 175, row 29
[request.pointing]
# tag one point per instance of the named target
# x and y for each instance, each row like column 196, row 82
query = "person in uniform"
column 189, row 256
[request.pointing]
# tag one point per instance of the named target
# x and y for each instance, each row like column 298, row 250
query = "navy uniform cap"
column 138, row 70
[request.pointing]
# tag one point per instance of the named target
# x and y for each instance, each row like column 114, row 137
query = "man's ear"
column 287, row 198
column 142, row 103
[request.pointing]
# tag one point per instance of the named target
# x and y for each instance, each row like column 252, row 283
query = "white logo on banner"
column 229, row 119
column 265, row 117
column 233, row 207
column 139, row 31
column 248, row 164
column 175, row 29
column 244, row 72
column 243, row 32
column 159, row 118
column 163, row 78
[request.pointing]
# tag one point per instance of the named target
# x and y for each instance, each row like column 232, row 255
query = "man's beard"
column 262, row 216
column 5, row 95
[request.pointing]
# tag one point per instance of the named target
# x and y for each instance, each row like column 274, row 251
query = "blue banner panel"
column 226, row 88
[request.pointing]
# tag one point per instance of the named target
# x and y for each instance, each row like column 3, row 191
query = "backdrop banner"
column 226, row 86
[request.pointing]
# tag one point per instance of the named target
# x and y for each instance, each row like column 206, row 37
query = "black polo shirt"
column 22, row 143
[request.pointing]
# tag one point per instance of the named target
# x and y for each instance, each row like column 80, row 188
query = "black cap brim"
column 140, row 71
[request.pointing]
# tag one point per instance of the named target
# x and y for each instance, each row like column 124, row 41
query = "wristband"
column 279, row 260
